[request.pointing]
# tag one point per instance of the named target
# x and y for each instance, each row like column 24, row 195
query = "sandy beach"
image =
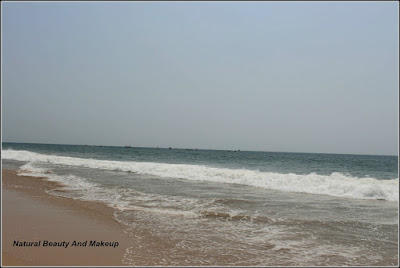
column 31, row 215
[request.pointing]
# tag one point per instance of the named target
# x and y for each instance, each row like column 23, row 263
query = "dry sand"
column 30, row 214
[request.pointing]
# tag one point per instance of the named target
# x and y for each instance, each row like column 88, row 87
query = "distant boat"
column 127, row 146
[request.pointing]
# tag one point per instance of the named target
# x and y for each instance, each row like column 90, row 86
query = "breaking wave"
column 336, row 184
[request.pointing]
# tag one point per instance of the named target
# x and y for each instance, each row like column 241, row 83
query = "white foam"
column 69, row 181
column 336, row 184
column 29, row 170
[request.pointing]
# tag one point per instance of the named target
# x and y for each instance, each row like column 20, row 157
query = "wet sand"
column 31, row 215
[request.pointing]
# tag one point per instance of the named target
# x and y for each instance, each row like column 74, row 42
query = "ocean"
column 215, row 207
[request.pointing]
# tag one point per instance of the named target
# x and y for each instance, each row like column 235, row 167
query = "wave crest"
column 336, row 184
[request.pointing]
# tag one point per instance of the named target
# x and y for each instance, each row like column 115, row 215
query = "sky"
column 261, row 76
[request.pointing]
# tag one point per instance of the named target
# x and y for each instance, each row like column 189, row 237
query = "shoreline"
column 31, row 215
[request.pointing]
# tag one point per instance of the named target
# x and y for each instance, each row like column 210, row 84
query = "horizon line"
column 178, row 148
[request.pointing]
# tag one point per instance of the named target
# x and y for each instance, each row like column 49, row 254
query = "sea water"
column 214, row 207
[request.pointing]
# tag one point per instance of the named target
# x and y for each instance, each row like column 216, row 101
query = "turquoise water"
column 234, row 207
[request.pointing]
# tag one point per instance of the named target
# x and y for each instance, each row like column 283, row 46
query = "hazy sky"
column 270, row 76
